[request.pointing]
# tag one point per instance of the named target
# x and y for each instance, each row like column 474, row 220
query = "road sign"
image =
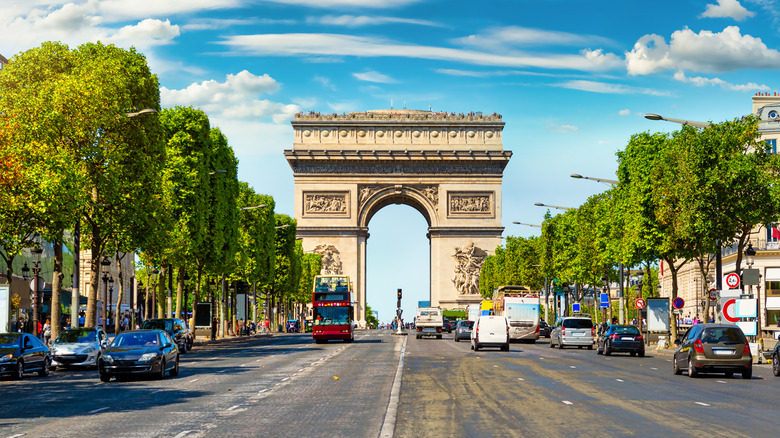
column 728, row 310
column 575, row 307
column 604, row 301
column 732, row 280
column 640, row 303
column 713, row 295
column 678, row 303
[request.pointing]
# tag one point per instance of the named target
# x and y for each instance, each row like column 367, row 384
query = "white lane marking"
column 95, row 411
column 243, row 364
column 221, row 371
column 668, row 360
column 702, row 404
column 155, row 392
column 653, row 368
column 619, row 380
column 541, row 358
column 495, row 366
column 302, row 369
column 285, row 379
column 233, row 407
column 263, row 390
column 183, row 433
column 17, row 435
column 192, row 381
column 721, row 381
column 259, row 360
column 520, row 378
column 572, row 366
column 566, row 402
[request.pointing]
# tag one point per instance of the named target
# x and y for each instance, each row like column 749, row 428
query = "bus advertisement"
column 521, row 307
column 333, row 309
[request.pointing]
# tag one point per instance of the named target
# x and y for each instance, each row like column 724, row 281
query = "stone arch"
column 414, row 197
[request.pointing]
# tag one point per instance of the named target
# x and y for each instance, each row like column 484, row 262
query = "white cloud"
column 147, row 33
column 337, row 4
column 603, row 87
column 488, row 74
column 235, row 98
column 700, row 81
column 727, row 9
column 562, row 128
column 365, row 20
column 120, row 10
column 500, row 38
column 703, row 52
column 218, row 23
column 624, row 112
column 348, row 45
column 373, row 76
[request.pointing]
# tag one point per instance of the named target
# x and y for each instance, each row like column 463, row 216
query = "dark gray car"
column 714, row 348
column 463, row 330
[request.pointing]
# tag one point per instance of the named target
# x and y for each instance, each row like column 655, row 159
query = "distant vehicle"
column 776, row 360
column 714, row 348
column 621, row 338
column 429, row 322
column 22, row 353
column 448, row 325
column 140, row 352
column 463, row 330
column 544, row 329
column 175, row 328
column 520, row 306
column 333, row 310
column 79, row 347
column 573, row 331
column 490, row 331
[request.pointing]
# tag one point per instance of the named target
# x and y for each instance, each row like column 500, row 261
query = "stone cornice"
column 397, row 116
column 396, row 155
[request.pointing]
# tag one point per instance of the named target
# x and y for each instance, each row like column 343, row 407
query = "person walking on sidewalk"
column 213, row 328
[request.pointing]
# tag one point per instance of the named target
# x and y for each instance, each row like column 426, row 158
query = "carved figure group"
column 478, row 203
column 469, row 260
column 331, row 259
column 326, row 203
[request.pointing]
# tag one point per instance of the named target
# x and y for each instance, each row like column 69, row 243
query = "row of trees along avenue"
column 678, row 194
column 84, row 141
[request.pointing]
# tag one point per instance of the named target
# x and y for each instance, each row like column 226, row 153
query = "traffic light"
column 399, row 294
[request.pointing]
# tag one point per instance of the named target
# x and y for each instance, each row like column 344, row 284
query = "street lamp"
column 539, row 204
column 652, row 116
column 750, row 256
column 111, row 317
column 139, row 285
column 282, row 226
column 528, row 225
column 218, row 171
column 36, row 261
column 253, row 207
column 105, row 264
column 601, row 180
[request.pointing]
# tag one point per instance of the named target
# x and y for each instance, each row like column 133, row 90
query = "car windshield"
column 136, row 340
column 578, row 323
column 331, row 315
column 628, row 330
column 74, row 336
column 723, row 335
column 9, row 341
column 157, row 324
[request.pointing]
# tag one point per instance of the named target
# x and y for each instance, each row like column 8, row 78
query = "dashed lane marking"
column 619, row 380
column 233, row 407
column 520, row 378
column 702, row 404
column 155, row 392
column 285, row 379
column 654, row 368
column 566, row 402
column 572, row 366
column 721, row 381
column 183, row 433
column 263, row 390
column 301, row 370
column 193, row 381
column 17, row 435
column 95, row 411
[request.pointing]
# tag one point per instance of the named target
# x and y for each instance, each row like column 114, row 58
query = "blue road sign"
column 604, row 302
column 575, row 307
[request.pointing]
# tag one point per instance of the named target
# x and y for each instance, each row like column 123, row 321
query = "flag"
column 662, row 268
column 775, row 233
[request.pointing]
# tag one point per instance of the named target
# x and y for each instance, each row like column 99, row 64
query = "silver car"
column 79, row 347
column 574, row 330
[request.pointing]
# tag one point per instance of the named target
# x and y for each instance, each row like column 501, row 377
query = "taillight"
column 698, row 346
column 419, row 329
column 746, row 350
column 593, row 331
column 613, row 337
column 639, row 338
column 438, row 329
column 537, row 329
column 563, row 331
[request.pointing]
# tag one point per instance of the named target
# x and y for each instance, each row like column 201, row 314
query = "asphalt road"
column 532, row 390
column 279, row 386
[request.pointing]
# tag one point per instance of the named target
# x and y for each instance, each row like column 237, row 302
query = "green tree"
column 371, row 320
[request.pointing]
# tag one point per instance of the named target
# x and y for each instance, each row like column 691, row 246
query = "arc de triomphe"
column 448, row 167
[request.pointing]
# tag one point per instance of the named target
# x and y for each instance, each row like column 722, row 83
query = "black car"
column 621, row 338
column 23, row 353
column 544, row 329
column 174, row 327
column 140, row 352
column 449, row 325
column 776, row 360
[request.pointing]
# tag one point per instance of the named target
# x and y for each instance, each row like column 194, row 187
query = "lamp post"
column 750, row 258
column 36, row 261
column 154, row 274
column 111, row 314
column 138, row 285
column 601, row 180
column 105, row 264
column 539, row 204
column 528, row 225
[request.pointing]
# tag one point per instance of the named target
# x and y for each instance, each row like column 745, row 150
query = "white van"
column 490, row 331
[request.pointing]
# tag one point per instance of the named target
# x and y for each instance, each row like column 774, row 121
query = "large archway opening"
column 397, row 256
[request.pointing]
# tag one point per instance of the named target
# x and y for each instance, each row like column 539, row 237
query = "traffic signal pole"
column 398, row 314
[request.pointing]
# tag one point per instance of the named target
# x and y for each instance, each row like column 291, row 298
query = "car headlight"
column 147, row 357
column 89, row 350
column 53, row 350
column 108, row 358
column 7, row 358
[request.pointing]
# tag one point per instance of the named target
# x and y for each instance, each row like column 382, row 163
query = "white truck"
column 429, row 322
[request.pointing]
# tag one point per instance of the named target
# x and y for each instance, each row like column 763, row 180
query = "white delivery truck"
column 429, row 322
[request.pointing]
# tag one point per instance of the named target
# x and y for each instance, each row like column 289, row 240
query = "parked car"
column 621, row 338
column 22, row 353
column 573, row 331
column 463, row 330
column 140, row 352
column 174, row 327
column 544, row 329
column 449, row 325
column 714, row 348
column 490, row 331
column 79, row 347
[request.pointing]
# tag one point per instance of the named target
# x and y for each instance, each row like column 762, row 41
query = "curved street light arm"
column 652, row 116
column 539, row 204
column 529, row 225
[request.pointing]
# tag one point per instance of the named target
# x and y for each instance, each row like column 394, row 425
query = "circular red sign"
column 678, row 303
column 713, row 294
column 728, row 307
column 732, row 280
column 640, row 303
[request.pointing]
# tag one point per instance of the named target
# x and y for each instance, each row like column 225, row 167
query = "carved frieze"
column 430, row 192
column 326, row 203
column 468, row 265
column 331, row 259
column 489, row 168
column 470, row 203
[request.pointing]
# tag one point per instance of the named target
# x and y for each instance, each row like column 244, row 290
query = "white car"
column 490, row 331
column 79, row 347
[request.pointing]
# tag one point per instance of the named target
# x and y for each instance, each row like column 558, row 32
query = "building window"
column 771, row 146
column 772, row 233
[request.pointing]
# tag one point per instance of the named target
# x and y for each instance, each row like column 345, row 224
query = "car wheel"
column 161, row 374
column 19, row 370
column 633, row 353
column 438, row 337
column 105, row 377
column 675, row 367
column 175, row 370
column 476, row 347
column 551, row 343
column 182, row 348
column 456, row 338
column 775, row 365
column 748, row 373
column 607, row 351
column 560, row 344
column 598, row 350
column 43, row 372
column 418, row 336
column 505, row 347
column 642, row 353
column 729, row 374
column 472, row 345
column 692, row 369
column 590, row 347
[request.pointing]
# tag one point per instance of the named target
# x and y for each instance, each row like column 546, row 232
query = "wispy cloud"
column 337, row 4
column 624, row 112
column 488, row 74
column 551, row 126
column 606, row 88
column 700, row 81
column 366, row 20
column 373, row 76
column 499, row 39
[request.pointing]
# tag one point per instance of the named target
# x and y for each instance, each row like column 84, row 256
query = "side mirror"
column 166, row 345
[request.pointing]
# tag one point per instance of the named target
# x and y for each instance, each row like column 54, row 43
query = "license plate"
column 723, row 352
column 579, row 333
column 627, row 339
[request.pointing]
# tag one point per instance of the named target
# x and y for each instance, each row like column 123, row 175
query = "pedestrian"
column 20, row 325
column 47, row 332
column 125, row 323
column 81, row 319
column 213, row 328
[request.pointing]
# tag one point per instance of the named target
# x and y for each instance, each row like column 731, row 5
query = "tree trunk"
column 674, row 270
column 195, row 298
column 56, row 285
column 119, row 294
column 94, row 276
column 234, row 307
column 180, row 294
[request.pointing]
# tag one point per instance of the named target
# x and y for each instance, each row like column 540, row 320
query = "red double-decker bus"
column 333, row 310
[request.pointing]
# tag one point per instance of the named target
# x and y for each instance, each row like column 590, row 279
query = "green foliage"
column 515, row 264
column 371, row 320
column 286, row 267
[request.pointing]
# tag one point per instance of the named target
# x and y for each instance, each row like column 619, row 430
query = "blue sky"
column 571, row 79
